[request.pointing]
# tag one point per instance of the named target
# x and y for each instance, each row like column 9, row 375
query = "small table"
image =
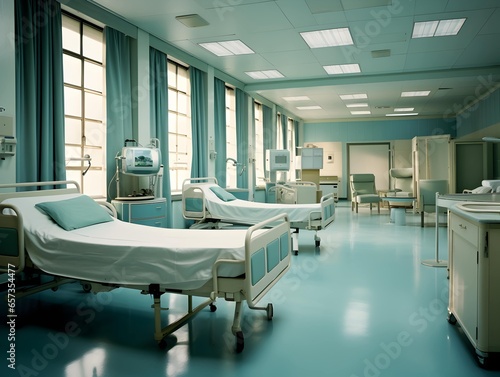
column 398, row 212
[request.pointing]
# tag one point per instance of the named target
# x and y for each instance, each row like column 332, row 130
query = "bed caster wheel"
column 213, row 308
column 162, row 344
column 240, row 342
column 269, row 311
column 86, row 287
column 451, row 319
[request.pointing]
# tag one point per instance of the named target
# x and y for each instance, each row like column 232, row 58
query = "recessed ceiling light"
column 341, row 69
column 401, row 114
column 314, row 107
column 296, row 98
column 263, row 75
column 404, row 109
column 328, row 38
column 419, row 93
column 361, row 112
column 227, row 48
column 346, row 97
column 437, row 28
column 357, row 105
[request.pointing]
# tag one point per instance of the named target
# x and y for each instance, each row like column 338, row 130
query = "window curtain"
column 158, row 68
column 296, row 133
column 242, row 137
column 220, row 131
column 118, row 100
column 284, row 129
column 39, row 92
column 199, row 124
column 268, row 130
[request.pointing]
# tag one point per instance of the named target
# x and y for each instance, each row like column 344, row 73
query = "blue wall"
column 484, row 114
column 378, row 130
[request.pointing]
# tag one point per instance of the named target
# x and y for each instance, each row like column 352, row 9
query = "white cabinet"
column 474, row 263
column 146, row 212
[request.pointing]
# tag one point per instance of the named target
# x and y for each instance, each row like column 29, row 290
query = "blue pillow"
column 222, row 194
column 75, row 213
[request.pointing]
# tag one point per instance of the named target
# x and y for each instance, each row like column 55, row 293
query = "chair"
column 427, row 189
column 363, row 191
column 403, row 185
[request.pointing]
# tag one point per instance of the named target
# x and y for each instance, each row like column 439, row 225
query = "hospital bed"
column 210, row 206
column 104, row 253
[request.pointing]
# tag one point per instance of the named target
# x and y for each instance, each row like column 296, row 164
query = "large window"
column 259, row 146
column 231, row 143
column 84, row 104
column 179, row 125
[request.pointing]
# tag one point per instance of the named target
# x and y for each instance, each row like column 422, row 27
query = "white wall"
column 7, row 78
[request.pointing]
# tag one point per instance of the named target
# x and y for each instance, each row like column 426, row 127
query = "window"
column 231, row 144
column 85, row 133
column 259, row 146
column 179, row 125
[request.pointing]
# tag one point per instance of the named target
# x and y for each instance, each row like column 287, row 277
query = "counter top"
column 480, row 217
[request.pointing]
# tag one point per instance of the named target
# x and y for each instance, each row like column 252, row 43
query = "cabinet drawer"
column 159, row 222
column 144, row 211
column 465, row 229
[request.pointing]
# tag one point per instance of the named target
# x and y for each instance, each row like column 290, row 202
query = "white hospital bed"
column 209, row 205
column 239, row 265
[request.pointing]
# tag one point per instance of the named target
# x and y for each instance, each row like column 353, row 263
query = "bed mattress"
column 127, row 254
column 244, row 211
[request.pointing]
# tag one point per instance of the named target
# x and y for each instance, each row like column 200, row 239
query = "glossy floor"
column 360, row 305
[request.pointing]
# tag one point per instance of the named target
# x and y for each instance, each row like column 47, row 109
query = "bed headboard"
column 9, row 190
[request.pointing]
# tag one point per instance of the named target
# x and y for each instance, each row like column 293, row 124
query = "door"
column 469, row 166
column 370, row 158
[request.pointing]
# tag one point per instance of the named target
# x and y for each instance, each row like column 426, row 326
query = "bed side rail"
column 327, row 210
column 267, row 256
column 194, row 204
column 12, row 256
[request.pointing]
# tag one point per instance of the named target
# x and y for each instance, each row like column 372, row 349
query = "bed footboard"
column 12, row 258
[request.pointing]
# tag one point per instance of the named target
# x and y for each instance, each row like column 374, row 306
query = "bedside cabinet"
column 150, row 212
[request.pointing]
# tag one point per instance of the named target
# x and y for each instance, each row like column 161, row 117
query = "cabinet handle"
column 464, row 227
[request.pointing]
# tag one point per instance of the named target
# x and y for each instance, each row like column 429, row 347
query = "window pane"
column 93, row 106
column 93, row 182
column 183, row 125
column 172, row 122
column 73, row 131
column 96, row 156
column 182, row 80
column 72, row 152
column 72, row 102
column 93, row 76
column 92, row 43
column 172, row 75
column 172, row 100
column 182, row 103
column 95, row 134
column 70, row 34
column 72, row 70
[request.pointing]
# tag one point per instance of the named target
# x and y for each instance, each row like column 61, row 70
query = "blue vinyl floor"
column 361, row 305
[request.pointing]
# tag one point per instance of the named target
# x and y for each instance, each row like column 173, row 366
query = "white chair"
column 363, row 191
column 427, row 189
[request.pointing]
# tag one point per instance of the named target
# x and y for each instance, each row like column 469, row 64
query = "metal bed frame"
column 267, row 259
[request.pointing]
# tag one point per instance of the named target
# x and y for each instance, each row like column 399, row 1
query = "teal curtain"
column 199, row 124
column 284, row 128
column 268, row 130
column 118, row 100
column 39, row 92
column 242, row 137
column 220, row 130
column 158, row 68
column 296, row 133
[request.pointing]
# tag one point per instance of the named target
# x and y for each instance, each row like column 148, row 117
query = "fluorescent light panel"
column 296, row 98
column 418, row 93
column 357, row 104
column 314, row 107
column 361, row 112
column 328, row 38
column 341, row 69
column 346, row 97
column 401, row 114
column 438, row 28
column 264, row 75
column 404, row 109
column 227, row 48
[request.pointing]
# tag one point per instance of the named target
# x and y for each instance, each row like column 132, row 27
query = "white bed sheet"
column 127, row 254
column 243, row 211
